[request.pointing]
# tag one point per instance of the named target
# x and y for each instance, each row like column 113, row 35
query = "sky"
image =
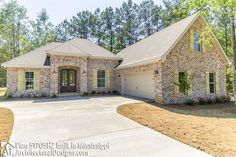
column 59, row 10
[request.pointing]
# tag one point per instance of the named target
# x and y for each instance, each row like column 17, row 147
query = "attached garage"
column 139, row 85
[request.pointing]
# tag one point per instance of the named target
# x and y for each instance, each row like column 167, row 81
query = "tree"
column 62, row 31
column 129, row 22
column 184, row 85
column 97, row 27
column 81, row 25
column 108, row 17
column 43, row 30
column 174, row 10
column 13, row 26
column 145, row 15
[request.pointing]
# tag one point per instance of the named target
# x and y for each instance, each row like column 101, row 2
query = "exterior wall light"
column 83, row 73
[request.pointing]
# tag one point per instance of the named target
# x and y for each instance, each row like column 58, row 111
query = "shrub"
column 209, row 100
column 217, row 99
column 202, row 101
column 109, row 92
column 43, row 95
column 190, row 102
column 85, row 94
column 98, row 92
column 93, row 92
column 115, row 92
column 223, row 99
column 8, row 95
column 227, row 98
column 54, row 95
column 29, row 95
column 103, row 92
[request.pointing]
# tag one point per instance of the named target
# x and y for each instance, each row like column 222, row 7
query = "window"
column 197, row 45
column 29, row 80
column 182, row 78
column 212, row 83
column 101, row 78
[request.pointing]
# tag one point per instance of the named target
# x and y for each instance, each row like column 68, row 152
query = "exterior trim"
column 25, row 66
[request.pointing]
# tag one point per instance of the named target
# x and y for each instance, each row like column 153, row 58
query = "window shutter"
column 217, row 82
column 107, row 78
column 191, row 40
column 207, row 84
column 37, row 80
column 95, row 78
column 188, row 78
column 176, row 80
column 21, row 80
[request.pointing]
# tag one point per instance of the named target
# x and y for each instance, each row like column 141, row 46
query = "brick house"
column 146, row 69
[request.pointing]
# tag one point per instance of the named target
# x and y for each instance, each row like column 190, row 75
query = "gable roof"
column 158, row 45
column 75, row 47
column 83, row 47
column 35, row 58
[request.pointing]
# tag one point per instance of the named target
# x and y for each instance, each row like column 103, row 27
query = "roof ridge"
column 78, row 47
column 196, row 14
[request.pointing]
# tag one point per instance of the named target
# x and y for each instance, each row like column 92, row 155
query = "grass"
column 3, row 91
column 210, row 128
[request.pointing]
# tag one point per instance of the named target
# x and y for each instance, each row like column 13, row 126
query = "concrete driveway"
column 91, row 121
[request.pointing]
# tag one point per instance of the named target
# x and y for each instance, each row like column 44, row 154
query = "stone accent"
column 181, row 58
column 101, row 65
column 12, row 82
column 84, row 67
column 60, row 62
column 144, row 68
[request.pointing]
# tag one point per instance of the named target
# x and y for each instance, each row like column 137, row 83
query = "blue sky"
column 58, row 10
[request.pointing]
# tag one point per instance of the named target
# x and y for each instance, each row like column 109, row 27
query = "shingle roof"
column 35, row 58
column 83, row 47
column 155, row 46
column 74, row 47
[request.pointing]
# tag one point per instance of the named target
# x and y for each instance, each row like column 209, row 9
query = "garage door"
column 139, row 85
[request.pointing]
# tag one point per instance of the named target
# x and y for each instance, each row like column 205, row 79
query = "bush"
column 43, row 95
column 103, row 92
column 190, row 102
column 227, row 98
column 93, row 92
column 109, row 92
column 115, row 92
column 209, row 100
column 8, row 95
column 85, row 94
column 98, row 92
column 202, row 101
column 54, row 95
column 222, row 99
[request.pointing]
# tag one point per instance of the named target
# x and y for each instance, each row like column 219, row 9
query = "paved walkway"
column 92, row 120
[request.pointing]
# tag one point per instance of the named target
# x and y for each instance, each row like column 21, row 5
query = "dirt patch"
column 210, row 128
column 6, row 124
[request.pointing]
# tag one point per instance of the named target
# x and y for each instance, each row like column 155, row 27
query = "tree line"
column 111, row 28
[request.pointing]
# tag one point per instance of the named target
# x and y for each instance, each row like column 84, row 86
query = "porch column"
column 54, row 73
column 83, row 76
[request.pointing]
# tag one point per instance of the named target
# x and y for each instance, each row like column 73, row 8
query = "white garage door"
column 139, row 84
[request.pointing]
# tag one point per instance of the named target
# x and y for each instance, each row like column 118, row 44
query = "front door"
column 68, row 80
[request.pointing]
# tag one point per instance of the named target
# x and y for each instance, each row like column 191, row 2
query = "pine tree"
column 43, row 30
column 108, row 17
column 62, row 31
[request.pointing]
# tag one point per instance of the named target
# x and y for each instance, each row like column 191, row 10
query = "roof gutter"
column 25, row 66
column 139, row 63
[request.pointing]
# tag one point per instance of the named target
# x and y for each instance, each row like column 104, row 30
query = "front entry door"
column 68, row 80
